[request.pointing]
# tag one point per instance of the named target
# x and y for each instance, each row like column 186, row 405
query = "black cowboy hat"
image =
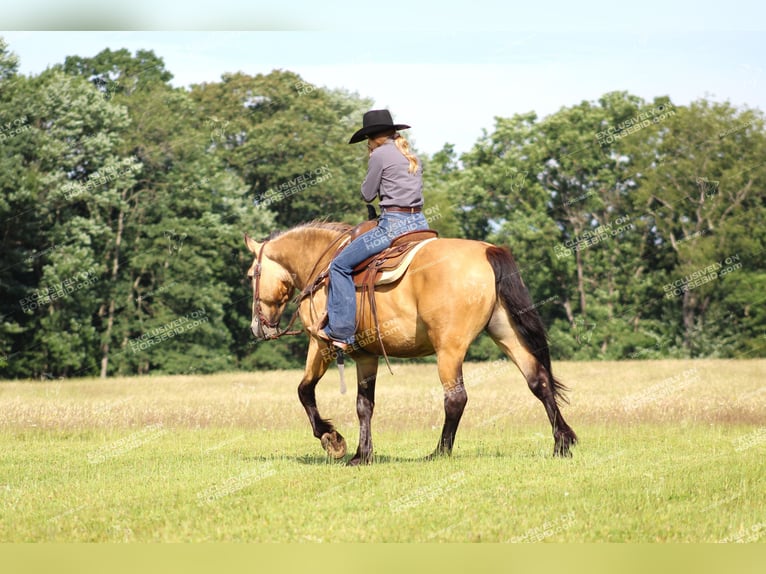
column 376, row 121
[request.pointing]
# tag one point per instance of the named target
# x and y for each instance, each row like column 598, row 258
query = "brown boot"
column 321, row 334
column 320, row 324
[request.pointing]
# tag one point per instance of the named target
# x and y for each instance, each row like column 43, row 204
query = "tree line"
column 637, row 224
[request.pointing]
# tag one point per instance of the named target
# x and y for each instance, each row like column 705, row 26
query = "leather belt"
column 402, row 209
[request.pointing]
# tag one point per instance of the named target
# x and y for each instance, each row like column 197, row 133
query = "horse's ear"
column 252, row 244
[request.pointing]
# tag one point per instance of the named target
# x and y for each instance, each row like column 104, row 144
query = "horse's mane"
column 335, row 226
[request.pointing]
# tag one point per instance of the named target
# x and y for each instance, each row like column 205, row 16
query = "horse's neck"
column 299, row 251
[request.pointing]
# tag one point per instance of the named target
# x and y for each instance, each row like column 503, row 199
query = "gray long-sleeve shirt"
column 388, row 177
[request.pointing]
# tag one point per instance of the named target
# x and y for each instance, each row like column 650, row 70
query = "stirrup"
column 340, row 348
column 339, row 345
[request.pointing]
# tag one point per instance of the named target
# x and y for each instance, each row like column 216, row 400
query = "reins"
column 308, row 291
column 311, row 287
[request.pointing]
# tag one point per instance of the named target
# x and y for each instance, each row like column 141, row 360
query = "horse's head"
column 272, row 288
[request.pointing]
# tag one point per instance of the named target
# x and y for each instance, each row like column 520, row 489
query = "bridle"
column 309, row 290
column 262, row 319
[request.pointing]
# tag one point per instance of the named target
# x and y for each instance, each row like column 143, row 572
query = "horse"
column 452, row 291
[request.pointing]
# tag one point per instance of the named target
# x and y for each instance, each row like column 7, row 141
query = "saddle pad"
column 390, row 276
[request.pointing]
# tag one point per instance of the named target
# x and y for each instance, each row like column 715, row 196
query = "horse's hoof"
column 358, row 460
column 563, row 443
column 437, row 454
column 334, row 444
column 562, row 452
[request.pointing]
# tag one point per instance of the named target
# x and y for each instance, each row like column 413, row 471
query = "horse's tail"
column 517, row 302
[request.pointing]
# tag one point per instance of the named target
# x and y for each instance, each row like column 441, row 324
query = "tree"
column 440, row 172
column 288, row 140
column 180, row 229
column 704, row 190
column 123, row 200
column 548, row 189
column 11, row 200
column 67, row 181
column 581, row 198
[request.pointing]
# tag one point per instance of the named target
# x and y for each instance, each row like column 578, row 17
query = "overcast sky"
column 449, row 85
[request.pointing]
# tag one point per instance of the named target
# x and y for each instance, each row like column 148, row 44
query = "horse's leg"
column 539, row 382
column 316, row 366
column 366, row 373
column 450, row 364
column 538, row 378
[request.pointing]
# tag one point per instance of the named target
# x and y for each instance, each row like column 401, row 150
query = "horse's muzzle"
column 262, row 333
column 258, row 330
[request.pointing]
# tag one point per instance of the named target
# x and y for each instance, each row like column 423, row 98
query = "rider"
column 394, row 174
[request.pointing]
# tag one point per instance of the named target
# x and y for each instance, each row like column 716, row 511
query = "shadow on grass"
column 324, row 460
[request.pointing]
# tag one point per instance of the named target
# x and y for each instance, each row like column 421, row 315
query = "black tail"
column 516, row 300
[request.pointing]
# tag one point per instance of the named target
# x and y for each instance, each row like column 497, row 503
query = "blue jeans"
column 341, row 299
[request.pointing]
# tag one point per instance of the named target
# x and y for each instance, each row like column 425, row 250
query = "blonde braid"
column 403, row 146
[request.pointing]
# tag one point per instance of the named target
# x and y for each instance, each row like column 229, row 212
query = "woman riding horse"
column 394, row 175
column 453, row 290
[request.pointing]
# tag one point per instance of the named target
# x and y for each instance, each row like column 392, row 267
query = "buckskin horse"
column 452, row 290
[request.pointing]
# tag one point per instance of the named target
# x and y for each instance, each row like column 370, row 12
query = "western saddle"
column 370, row 272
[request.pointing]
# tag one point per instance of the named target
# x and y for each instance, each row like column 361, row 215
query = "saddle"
column 383, row 268
column 391, row 263
column 386, row 267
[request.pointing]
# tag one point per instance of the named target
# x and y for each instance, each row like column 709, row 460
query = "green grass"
column 663, row 456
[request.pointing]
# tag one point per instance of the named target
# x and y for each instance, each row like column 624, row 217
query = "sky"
column 450, row 82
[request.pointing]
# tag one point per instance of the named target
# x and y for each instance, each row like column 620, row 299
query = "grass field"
column 669, row 451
